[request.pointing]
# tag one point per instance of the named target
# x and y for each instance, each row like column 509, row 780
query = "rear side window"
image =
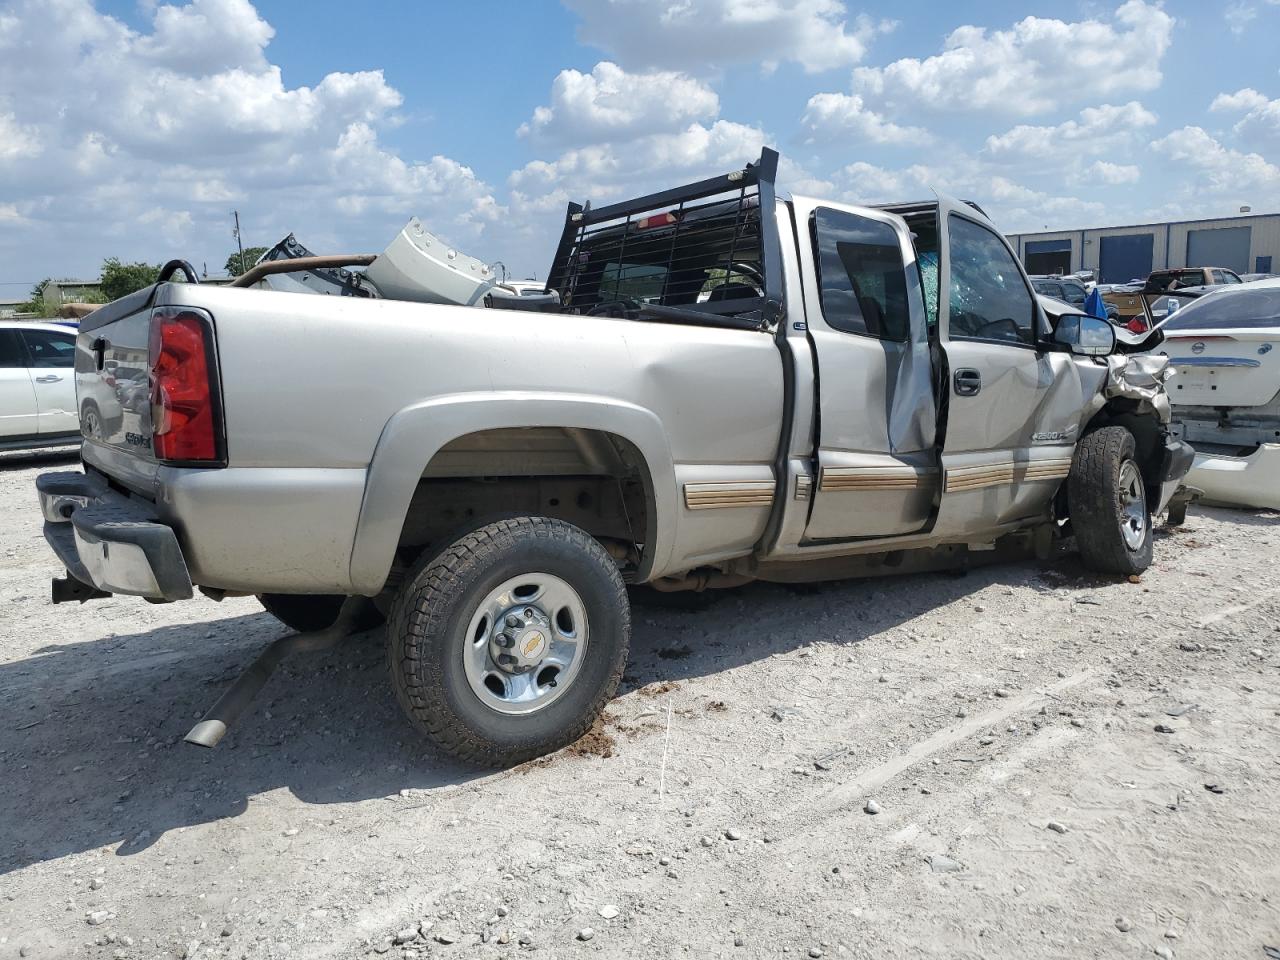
column 988, row 298
column 11, row 352
column 49, row 349
column 862, row 275
column 1235, row 308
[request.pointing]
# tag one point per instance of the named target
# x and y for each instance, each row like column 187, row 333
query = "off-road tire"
column 1093, row 491
column 303, row 612
column 429, row 620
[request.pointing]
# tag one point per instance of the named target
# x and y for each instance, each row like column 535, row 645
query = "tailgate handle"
column 968, row 382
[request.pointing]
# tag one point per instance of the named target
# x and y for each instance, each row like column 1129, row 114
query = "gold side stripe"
column 873, row 478
column 715, row 495
column 995, row 474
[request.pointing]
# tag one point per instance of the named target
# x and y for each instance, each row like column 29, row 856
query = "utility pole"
column 239, row 242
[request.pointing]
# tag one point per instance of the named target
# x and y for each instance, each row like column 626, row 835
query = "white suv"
column 37, row 385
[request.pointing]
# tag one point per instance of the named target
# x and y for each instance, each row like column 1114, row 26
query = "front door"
column 18, row 416
column 877, row 466
column 52, row 357
column 1013, row 408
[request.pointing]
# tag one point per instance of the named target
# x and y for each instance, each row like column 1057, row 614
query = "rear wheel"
column 508, row 644
column 1108, row 498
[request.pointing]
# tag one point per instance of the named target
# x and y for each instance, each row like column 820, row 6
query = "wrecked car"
column 1225, row 349
column 718, row 384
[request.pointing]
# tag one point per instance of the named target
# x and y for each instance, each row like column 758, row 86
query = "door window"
column 862, row 275
column 989, row 300
column 1229, row 277
column 11, row 352
column 49, row 349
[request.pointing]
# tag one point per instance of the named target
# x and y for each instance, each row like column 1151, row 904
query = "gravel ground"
column 1027, row 761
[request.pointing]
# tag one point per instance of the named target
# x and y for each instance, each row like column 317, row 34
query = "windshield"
column 1174, row 280
column 1238, row 307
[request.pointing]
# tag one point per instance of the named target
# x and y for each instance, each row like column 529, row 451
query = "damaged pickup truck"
column 720, row 384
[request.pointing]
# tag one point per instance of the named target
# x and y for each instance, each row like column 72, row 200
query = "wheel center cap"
column 532, row 645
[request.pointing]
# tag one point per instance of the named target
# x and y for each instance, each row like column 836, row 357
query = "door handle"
column 49, row 378
column 968, row 382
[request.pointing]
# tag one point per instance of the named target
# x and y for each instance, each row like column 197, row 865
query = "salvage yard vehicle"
column 37, row 386
column 731, row 385
column 1226, row 395
column 1137, row 308
column 1070, row 290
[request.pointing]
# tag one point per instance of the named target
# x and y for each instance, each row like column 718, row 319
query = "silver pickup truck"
column 731, row 385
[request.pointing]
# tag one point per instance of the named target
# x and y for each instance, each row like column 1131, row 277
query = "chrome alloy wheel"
column 1133, row 505
column 526, row 643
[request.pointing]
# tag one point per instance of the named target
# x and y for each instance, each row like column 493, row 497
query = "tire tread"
column 418, row 615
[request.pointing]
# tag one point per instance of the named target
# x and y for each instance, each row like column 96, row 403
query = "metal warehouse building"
column 1245, row 244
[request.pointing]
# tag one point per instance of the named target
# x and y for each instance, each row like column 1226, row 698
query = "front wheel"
column 1108, row 501
column 508, row 644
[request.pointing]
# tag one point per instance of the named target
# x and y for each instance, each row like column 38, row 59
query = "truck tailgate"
column 112, row 371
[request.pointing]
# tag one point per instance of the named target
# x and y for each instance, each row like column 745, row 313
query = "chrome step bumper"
column 111, row 542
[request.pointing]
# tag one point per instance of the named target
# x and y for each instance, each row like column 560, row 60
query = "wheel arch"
column 415, row 437
column 1148, row 429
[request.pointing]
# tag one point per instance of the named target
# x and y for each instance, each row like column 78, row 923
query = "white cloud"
column 816, row 34
column 1242, row 100
column 1035, row 66
column 149, row 136
column 1114, row 174
column 18, row 140
column 1223, row 169
column 1260, row 124
column 838, row 116
column 863, row 183
column 603, row 170
column 1011, row 205
column 1096, row 131
column 611, row 103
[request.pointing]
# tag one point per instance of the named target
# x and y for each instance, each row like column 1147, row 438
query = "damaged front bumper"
column 109, row 542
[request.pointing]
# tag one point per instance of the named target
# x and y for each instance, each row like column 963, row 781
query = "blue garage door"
column 1226, row 247
column 1125, row 258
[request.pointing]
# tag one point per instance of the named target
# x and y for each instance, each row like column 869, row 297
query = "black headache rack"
column 706, row 254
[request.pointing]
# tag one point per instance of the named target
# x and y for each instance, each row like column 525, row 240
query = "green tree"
column 120, row 279
column 251, row 255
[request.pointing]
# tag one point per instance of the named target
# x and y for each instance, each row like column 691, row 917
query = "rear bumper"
column 1252, row 481
column 111, row 542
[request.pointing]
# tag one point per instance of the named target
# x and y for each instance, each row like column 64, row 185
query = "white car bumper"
column 1252, row 481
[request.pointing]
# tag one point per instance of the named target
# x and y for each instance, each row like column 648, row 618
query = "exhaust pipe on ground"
column 215, row 723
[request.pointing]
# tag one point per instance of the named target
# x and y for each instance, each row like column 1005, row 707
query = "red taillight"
column 1136, row 325
column 657, row 220
column 184, row 403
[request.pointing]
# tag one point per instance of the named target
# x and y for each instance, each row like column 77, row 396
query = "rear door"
column 877, row 465
column 52, row 359
column 1013, row 410
column 18, row 416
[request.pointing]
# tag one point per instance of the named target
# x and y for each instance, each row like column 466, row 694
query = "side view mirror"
column 1086, row 336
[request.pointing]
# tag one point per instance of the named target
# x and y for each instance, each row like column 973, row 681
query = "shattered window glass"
column 988, row 299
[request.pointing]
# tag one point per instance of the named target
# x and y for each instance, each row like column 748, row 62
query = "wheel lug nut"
column 528, row 613
column 506, row 659
column 505, row 640
column 513, row 620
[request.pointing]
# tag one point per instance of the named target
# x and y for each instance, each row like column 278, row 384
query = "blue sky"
column 132, row 129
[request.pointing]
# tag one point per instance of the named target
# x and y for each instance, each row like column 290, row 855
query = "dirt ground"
column 1006, row 725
